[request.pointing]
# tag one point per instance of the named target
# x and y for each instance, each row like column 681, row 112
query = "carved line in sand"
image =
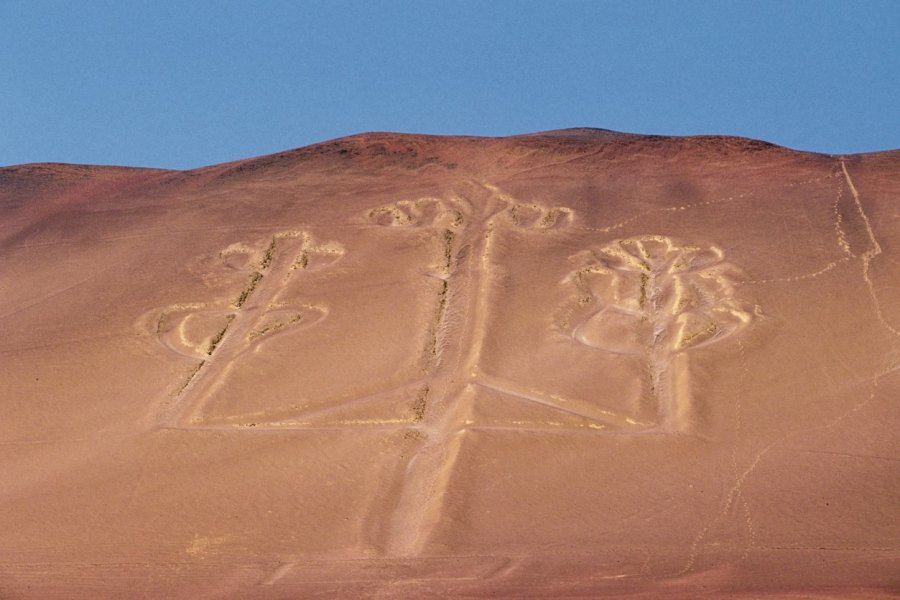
column 536, row 216
column 532, row 218
column 455, row 378
column 667, row 299
column 218, row 336
column 678, row 288
column 465, row 271
column 435, row 214
column 653, row 299
column 422, row 212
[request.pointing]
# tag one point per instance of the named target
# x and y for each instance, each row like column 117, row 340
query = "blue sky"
column 183, row 84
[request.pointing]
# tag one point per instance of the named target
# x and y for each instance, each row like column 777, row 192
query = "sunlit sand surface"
column 571, row 364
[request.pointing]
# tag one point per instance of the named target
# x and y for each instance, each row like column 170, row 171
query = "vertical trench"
column 250, row 306
column 420, row 505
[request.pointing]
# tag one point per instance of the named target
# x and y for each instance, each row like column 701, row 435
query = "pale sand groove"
column 738, row 430
column 429, row 471
column 869, row 254
column 736, row 490
column 476, row 400
column 466, row 276
column 838, row 222
column 269, row 416
column 602, row 418
column 812, row 275
column 466, row 290
column 385, row 425
column 250, row 307
column 674, row 297
column 735, row 493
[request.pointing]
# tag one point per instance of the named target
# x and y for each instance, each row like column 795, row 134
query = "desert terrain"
column 569, row 364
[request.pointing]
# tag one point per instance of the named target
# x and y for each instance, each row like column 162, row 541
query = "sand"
column 570, row 364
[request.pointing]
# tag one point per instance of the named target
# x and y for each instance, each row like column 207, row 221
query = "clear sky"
column 187, row 83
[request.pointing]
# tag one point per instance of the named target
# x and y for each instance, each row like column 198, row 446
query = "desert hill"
column 576, row 363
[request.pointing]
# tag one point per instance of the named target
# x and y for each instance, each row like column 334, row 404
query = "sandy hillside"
column 571, row 364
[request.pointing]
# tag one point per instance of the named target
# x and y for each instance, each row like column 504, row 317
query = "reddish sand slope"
column 571, row 364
